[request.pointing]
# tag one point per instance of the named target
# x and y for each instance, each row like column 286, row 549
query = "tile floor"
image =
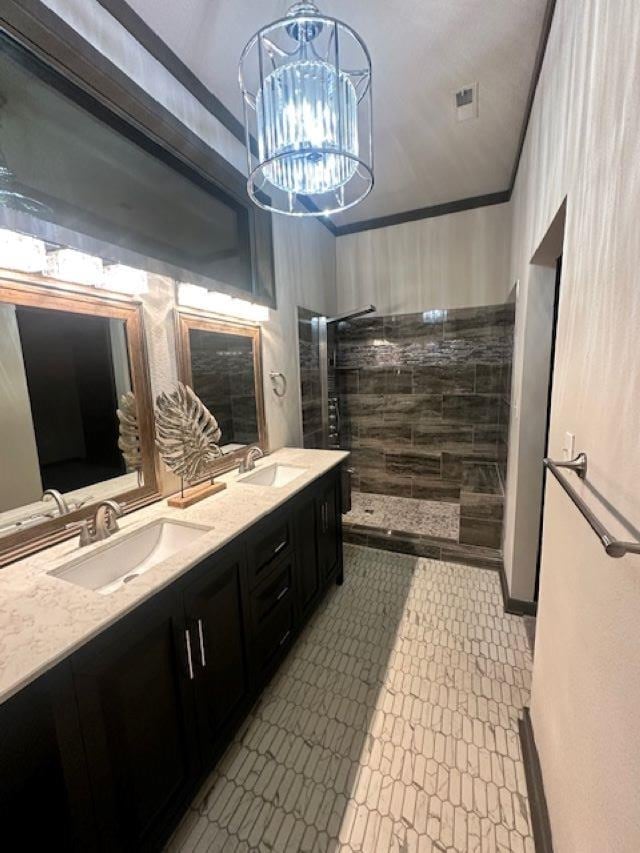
column 408, row 515
column 391, row 726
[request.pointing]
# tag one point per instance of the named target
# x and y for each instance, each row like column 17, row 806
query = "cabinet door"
column 307, row 565
column 213, row 606
column 136, row 713
column 45, row 802
column 328, row 527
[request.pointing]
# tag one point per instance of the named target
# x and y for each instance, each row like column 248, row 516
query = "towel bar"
column 613, row 547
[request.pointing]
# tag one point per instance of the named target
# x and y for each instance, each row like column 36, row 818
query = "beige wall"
column 452, row 261
column 583, row 142
column 304, row 250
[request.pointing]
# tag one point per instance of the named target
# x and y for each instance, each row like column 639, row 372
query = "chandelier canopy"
column 306, row 86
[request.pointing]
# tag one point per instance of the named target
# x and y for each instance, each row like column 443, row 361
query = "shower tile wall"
column 312, row 434
column 424, row 400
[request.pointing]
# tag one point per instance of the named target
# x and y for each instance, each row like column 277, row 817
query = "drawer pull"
column 203, row 659
column 279, row 547
column 284, row 638
column 189, row 659
column 282, row 593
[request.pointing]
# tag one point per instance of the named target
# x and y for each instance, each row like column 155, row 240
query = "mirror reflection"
column 223, row 376
column 62, row 376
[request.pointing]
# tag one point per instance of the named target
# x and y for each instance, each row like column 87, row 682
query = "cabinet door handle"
column 284, row 638
column 280, row 547
column 189, row 659
column 282, row 593
column 203, row 659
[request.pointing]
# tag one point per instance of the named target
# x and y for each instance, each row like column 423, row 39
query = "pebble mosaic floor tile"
column 391, row 726
column 408, row 515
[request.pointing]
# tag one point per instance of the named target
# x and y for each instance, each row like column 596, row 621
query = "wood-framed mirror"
column 68, row 354
column 222, row 362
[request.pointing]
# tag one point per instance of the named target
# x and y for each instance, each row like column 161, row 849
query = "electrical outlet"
column 569, row 446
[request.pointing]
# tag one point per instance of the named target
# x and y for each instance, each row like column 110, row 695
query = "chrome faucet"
column 104, row 522
column 248, row 461
column 63, row 506
column 103, row 525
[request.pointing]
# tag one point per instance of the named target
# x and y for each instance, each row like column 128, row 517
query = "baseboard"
column 515, row 606
column 537, row 801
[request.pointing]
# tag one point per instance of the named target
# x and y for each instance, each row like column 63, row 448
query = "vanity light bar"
column 19, row 252
column 28, row 254
column 124, row 279
column 69, row 265
column 194, row 296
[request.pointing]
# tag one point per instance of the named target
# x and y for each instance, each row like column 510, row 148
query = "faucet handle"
column 85, row 529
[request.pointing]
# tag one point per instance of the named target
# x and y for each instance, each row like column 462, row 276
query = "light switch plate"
column 569, row 446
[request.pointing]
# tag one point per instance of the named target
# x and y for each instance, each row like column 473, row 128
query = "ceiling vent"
column 467, row 102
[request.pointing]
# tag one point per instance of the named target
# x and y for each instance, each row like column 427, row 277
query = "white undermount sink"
column 275, row 475
column 109, row 568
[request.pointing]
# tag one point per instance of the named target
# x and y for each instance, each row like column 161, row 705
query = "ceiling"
column 422, row 52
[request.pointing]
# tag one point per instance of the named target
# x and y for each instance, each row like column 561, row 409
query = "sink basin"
column 273, row 475
column 119, row 562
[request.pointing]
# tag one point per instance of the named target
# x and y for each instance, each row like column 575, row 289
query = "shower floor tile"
column 406, row 515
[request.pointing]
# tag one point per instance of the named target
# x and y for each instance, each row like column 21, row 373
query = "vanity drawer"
column 272, row 593
column 273, row 638
column 269, row 543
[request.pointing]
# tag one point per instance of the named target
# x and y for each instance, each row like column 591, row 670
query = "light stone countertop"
column 43, row 619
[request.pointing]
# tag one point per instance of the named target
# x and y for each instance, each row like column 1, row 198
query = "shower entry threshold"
column 414, row 526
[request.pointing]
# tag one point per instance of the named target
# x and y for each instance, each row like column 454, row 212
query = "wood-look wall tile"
column 381, row 482
column 385, row 380
column 475, row 505
column 412, row 408
column 413, row 462
column 347, row 381
column 486, row 321
column 443, row 437
column 471, row 409
column 425, row 325
column 481, row 477
column 441, row 378
column 365, row 405
column 387, row 436
column 435, row 489
column 488, row 378
column 484, row 532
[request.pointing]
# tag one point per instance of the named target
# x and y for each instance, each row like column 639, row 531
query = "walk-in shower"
column 422, row 402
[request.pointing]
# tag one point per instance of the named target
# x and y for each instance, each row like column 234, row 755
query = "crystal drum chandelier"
column 306, row 86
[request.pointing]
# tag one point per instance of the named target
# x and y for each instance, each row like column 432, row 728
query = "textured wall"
column 456, row 261
column 304, row 251
column 583, row 142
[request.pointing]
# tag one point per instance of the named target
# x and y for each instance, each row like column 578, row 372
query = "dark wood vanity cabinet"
column 213, row 604
column 136, row 712
column 329, row 526
column 45, row 802
column 119, row 736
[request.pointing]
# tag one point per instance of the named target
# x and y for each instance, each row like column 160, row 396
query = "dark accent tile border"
column 535, row 786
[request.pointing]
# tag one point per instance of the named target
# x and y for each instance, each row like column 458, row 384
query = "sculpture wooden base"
column 194, row 494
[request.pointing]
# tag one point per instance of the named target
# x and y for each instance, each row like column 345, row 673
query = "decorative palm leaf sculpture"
column 187, row 434
column 129, row 439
